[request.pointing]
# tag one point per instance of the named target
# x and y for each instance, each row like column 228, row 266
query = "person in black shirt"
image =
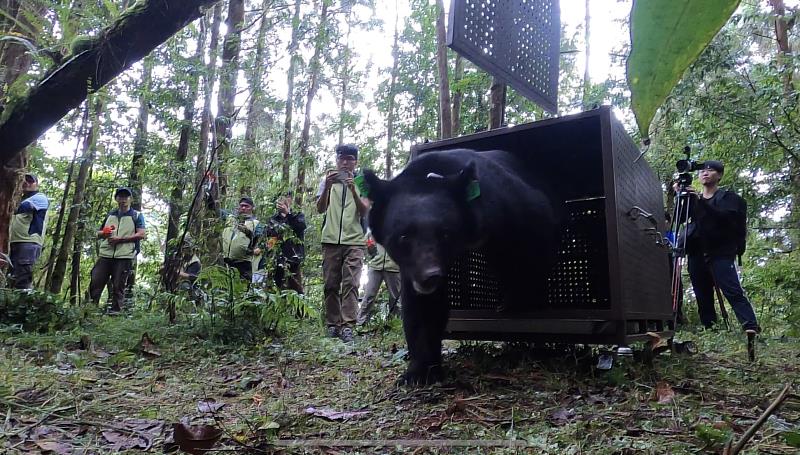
column 714, row 238
column 285, row 232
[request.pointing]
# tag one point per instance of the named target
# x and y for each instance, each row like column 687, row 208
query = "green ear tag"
column 361, row 185
column 473, row 190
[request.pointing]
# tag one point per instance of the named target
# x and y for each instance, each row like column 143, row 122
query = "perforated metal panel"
column 578, row 280
column 516, row 41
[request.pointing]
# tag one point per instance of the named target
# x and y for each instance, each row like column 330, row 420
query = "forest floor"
column 99, row 388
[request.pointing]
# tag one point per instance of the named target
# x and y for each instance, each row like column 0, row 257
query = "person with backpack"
column 343, row 242
column 716, row 235
column 26, row 232
column 120, row 236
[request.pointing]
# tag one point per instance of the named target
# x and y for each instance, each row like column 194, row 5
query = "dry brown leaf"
column 148, row 347
column 195, row 439
column 664, row 393
column 57, row 447
column 209, row 405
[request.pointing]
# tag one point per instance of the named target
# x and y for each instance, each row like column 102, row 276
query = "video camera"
column 685, row 167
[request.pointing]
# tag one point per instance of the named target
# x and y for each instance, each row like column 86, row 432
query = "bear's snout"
column 429, row 280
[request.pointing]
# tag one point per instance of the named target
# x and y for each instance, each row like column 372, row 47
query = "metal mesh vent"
column 514, row 40
column 579, row 279
column 472, row 285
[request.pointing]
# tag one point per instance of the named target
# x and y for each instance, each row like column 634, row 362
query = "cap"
column 30, row 178
column 123, row 189
column 715, row 165
column 347, row 149
column 248, row 200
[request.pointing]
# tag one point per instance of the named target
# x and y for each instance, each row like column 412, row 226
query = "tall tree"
column 287, row 125
column 497, row 103
column 315, row 72
column 15, row 61
column 175, row 205
column 140, row 136
column 390, row 114
column 458, row 94
column 87, row 160
column 255, row 105
column 223, row 124
column 209, row 80
column 445, row 112
column 587, row 48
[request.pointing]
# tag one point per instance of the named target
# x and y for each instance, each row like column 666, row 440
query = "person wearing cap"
column 240, row 237
column 713, row 240
column 343, row 242
column 120, row 235
column 382, row 269
column 26, row 232
column 285, row 234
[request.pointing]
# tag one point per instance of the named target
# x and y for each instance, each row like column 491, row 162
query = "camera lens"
column 683, row 166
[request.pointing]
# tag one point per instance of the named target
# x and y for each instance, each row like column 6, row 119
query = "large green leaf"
column 666, row 37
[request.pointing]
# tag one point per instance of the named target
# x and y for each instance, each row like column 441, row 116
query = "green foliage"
column 666, row 37
column 35, row 311
column 229, row 310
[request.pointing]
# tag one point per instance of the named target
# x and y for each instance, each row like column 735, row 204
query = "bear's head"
column 424, row 220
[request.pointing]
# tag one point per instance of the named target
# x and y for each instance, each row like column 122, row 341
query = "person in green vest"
column 240, row 238
column 26, row 232
column 120, row 236
column 343, row 242
column 381, row 269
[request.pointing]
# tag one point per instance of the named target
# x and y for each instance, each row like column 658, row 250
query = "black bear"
column 446, row 203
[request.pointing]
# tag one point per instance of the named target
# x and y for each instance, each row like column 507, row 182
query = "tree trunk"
column 344, row 74
column 255, row 104
column 140, row 138
column 315, row 68
column 63, row 209
column 14, row 61
column 784, row 59
column 135, row 33
column 209, row 79
column 497, row 100
column 87, row 159
column 392, row 95
column 587, row 83
column 445, row 114
column 458, row 95
column 179, row 166
column 287, row 125
column 227, row 90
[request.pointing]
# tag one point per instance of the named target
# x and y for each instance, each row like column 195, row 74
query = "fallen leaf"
column 210, row 405
column 664, row 393
column 54, row 446
column 126, row 441
column 656, row 343
column 562, row 415
column 331, row 414
column 195, row 439
column 148, row 347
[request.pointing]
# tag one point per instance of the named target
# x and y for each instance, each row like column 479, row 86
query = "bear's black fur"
column 429, row 215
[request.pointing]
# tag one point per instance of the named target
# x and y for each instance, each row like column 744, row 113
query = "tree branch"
column 134, row 34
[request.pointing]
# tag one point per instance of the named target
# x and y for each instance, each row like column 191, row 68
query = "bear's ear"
column 375, row 186
column 467, row 182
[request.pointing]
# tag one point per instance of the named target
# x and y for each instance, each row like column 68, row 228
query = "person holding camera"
column 240, row 237
column 343, row 242
column 285, row 234
column 715, row 235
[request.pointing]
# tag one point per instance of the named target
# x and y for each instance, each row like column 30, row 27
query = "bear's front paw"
column 422, row 375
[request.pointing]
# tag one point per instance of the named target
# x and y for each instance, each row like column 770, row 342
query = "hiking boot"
column 346, row 335
column 332, row 331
